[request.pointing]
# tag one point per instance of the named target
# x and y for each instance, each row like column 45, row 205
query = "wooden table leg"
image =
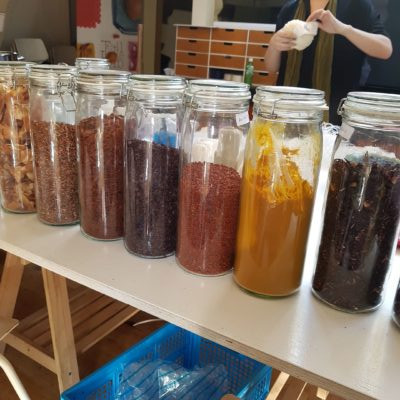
column 55, row 287
column 9, row 287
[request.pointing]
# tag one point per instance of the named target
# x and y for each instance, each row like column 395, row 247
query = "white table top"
column 355, row 356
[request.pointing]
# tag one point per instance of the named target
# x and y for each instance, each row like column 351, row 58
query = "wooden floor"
column 41, row 384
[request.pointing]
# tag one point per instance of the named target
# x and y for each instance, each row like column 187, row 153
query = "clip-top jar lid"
column 44, row 75
column 371, row 103
column 102, row 80
column 89, row 62
column 271, row 99
column 15, row 68
column 156, row 83
column 211, row 93
column 102, row 76
column 208, row 88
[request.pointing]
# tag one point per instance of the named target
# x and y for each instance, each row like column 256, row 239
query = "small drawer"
column 260, row 37
column 257, row 50
column 229, row 35
column 191, row 71
column 191, row 58
column 193, row 32
column 227, row 62
column 259, row 64
column 229, row 48
column 264, row 78
column 198, row 46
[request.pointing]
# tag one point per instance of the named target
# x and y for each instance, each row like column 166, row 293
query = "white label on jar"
column 346, row 131
column 242, row 118
column 108, row 107
column 120, row 111
column 68, row 102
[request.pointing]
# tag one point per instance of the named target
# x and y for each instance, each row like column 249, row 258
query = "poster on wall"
column 108, row 29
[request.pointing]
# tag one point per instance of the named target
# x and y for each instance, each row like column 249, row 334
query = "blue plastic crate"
column 248, row 378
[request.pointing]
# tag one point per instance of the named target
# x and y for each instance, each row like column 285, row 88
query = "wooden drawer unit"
column 229, row 35
column 191, row 71
column 259, row 64
column 198, row 46
column 193, row 32
column 228, row 48
column 264, row 78
column 230, row 62
column 191, row 58
column 256, row 50
column 259, row 37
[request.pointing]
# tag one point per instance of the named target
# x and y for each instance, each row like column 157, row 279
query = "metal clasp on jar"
column 66, row 93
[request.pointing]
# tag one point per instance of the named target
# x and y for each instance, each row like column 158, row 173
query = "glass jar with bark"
column 17, row 186
column 100, row 110
column 153, row 120
column 362, row 212
column 52, row 115
column 214, row 134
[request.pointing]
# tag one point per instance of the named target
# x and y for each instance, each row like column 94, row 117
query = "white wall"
column 45, row 19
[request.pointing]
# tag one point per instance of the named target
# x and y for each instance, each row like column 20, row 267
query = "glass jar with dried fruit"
column 214, row 129
column 281, row 167
column 17, row 187
column 153, row 118
column 52, row 116
column 82, row 63
column 363, row 205
column 100, row 110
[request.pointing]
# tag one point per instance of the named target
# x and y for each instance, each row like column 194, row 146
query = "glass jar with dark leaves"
column 52, row 116
column 100, row 110
column 214, row 130
column 362, row 212
column 152, row 125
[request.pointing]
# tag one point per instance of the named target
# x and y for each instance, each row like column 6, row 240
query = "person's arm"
column 280, row 41
column 372, row 44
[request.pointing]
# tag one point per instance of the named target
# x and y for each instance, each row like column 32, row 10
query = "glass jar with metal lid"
column 100, row 110
column 214, row 130
column 152, row 125
column 82, row 63
column 17, row 187
column 281, row 167
column 52, row 116
column 362, row 211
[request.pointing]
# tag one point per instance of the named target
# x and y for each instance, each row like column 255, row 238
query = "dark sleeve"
column 373, row 20
column 284, row 16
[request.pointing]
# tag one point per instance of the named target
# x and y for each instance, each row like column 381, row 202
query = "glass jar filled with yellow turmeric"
column 281, row 167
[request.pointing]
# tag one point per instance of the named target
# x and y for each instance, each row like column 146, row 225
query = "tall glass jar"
column 17, row 186
column 281, row 167
column 52, row 116
column 153, row 119
column 82, row 63
column 363, row 205
column 100, row 110
column 215, row 125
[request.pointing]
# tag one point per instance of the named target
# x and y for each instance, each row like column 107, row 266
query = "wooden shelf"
column 93, row 314
column 355, row 356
